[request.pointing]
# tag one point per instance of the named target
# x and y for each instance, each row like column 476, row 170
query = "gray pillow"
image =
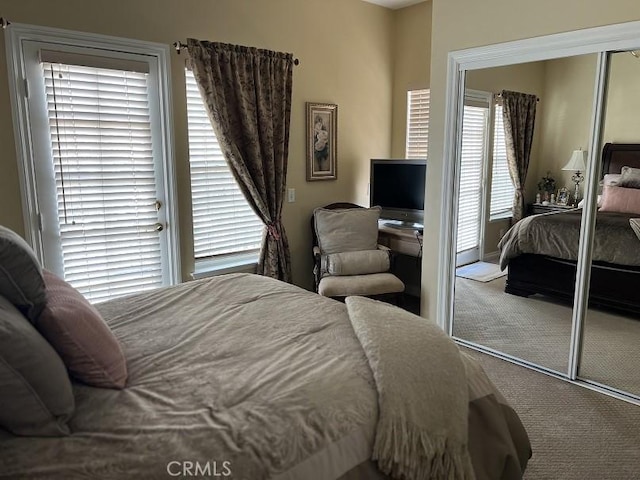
column 21, row 279
column 629, row 177
column 35, row 392
column 347, row 230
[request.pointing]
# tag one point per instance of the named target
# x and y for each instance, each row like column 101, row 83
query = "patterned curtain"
column 247, row 93
column 519, row 111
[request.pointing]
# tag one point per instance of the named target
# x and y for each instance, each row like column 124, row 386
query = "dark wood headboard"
column 617, row 155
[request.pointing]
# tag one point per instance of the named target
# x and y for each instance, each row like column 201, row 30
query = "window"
column 96, row 176
column 502, row 189
column 417, row 123
column 225, row 228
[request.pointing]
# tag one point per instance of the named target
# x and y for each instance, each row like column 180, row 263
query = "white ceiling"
column 394, row 4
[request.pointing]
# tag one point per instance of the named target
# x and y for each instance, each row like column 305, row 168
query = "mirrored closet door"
column 515, row 277
column 550, row 282
column 611, row 332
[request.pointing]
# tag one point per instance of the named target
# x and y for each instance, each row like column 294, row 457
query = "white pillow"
column 356, row 263
column 347, row 230
column 635, row 225
column 581, row 202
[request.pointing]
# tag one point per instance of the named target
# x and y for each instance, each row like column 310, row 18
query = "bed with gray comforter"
column 245, row 377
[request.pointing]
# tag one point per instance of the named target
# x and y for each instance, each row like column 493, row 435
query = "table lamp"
column 577, row 164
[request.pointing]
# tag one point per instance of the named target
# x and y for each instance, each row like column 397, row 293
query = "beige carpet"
column 538, row 330
column 576, row 434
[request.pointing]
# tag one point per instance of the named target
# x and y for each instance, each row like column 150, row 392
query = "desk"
column 407, row 266
column 400, row 240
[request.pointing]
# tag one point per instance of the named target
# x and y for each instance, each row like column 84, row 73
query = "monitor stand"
column 402, row 225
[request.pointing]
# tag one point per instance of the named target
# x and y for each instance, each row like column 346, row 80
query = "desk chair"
column 347, row 257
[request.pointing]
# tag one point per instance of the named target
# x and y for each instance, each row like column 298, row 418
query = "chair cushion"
column 35, row 392
column 76, row 330
column 21, row 279
column 356, row 263
column 365, row 285
column 346, row 230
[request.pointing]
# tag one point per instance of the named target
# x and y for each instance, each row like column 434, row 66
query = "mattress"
column 238, row 375
column 557, row 235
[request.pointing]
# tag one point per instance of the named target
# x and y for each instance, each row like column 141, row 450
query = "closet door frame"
column 599, row 41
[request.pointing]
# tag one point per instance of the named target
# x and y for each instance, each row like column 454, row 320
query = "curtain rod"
column 180, row 45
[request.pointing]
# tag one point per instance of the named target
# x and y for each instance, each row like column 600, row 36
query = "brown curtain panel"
column 519, row 112
column 247, row 93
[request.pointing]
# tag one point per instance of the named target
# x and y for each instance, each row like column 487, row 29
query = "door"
column 97, row 165
column 470, row 207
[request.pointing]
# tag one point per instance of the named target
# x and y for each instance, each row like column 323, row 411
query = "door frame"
column 16, row 35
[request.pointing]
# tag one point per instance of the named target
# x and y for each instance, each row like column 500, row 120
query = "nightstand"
column 535, row 208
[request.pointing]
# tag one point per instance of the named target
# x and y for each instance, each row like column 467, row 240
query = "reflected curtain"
column 519, row 113
column 247, row 94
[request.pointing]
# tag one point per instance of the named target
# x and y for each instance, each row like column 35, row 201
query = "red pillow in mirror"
column 76, row 330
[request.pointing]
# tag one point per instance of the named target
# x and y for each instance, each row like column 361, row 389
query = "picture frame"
column 322, row 141
column 563, row 197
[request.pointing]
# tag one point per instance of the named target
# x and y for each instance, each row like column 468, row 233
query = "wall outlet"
column 291, row 195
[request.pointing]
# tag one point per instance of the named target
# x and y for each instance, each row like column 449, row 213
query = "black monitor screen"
column 398, row 184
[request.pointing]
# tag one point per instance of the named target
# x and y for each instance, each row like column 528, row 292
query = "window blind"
column 474, row 124
column 105, row 179
column 223, row 221
column 417, row 144
column 502, row 189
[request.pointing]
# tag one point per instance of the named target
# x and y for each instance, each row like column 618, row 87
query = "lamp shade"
column 577, row 162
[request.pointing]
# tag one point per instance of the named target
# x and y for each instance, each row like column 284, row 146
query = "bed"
column 541, row 250
column 256, row 379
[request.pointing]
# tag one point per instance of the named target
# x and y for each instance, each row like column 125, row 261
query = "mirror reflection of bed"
column 533, row 321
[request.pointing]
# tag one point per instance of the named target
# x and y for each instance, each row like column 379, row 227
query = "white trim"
column 587, row 232
column 625, row 36
column 16, row 35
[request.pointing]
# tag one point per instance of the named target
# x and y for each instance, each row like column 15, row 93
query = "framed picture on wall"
column 322, row 141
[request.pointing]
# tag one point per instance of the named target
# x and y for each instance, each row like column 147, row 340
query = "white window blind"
column 100, row 134
column 473, row 151
column 417, row 123
column 502, row 190
column 223, row 222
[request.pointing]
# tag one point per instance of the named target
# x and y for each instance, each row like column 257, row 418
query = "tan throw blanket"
column 423, row 396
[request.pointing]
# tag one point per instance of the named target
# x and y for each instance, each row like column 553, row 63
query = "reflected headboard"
column 617, row 155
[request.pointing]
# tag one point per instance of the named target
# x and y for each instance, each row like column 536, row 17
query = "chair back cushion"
column 356, row 263
column 36, row 398
column 347, row 230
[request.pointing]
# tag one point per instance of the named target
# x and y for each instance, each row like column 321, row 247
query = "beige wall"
column 566, row 120
column 345, row 50
column 411, row 52
column 459, row 24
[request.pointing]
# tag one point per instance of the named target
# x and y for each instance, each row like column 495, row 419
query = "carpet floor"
column 538, row 330
column 575, row 433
